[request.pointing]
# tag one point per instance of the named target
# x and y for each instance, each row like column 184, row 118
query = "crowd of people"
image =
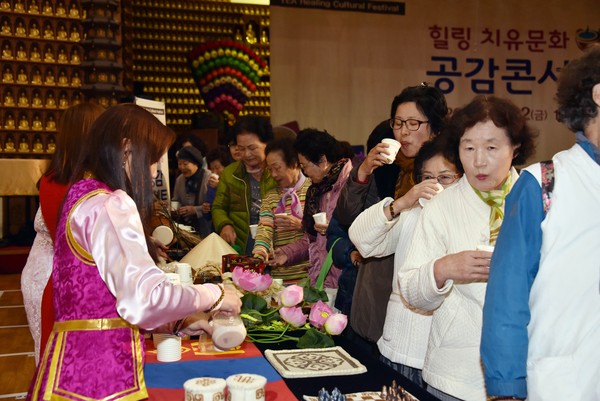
column 468, row 277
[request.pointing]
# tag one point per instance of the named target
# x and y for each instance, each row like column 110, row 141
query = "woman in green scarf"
column 445, row 270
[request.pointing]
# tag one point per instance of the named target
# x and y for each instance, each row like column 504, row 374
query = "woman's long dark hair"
column 73, row 128
column 132, row 127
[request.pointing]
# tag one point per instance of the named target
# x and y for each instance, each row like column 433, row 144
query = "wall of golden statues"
column 57, row 53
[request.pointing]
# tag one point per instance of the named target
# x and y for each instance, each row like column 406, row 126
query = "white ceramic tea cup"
column 320, row 218
column 393, row 148
column 253, row 229
column 163, row 234
column 184, row 270
column 168, row 347
column 205, row 388
column 175, row 205
column 246, row 387
column 487, row 248
column 423, row 201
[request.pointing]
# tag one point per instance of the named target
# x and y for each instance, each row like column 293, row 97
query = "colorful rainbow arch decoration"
column 226, row 72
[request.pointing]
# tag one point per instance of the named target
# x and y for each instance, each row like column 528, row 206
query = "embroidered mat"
column 314, row 362
column 365, row 396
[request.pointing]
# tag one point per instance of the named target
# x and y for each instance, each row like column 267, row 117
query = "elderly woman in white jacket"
column 376, row 233
column 444, row 272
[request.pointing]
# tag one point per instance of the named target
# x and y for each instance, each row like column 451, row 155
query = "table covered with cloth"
column 164, row 380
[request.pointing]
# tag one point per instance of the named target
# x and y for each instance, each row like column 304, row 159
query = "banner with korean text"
column 340, row 70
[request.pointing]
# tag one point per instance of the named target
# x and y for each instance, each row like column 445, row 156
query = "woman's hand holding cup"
column 377, row 157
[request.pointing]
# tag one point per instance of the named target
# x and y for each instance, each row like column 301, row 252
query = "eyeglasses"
column 444, row 179
column 412, row 124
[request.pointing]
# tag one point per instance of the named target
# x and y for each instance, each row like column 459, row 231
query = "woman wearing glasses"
column 444, row 272
column 416, row 116
column 377, row 233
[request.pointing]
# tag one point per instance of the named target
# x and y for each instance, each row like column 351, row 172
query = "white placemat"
column 314, row 362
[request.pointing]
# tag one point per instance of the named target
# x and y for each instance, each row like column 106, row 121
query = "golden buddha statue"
column 35, row 53
column 7, row 75
column 33, row 8
column 103, row 101
column 20, row 29
column 37, row 123
column 50, row 123
column 48, row 32
column 238, row 35
column 7, row 52
column 73, row 11
column 75, row 57
column 9, row 146
column 250, row 35
column 47, row 9
column 76, row 99
column 22, row 76
column 48, row 55
column 62, row 79
column 62, row 56
column 75, row 79
column 21, row 53
column 38, row 146
column 9, row 100
column 74, row 34
column 61, row 11
column 49, row 78
column 37, row 100
column 34, row 30
column 51, row 145
column 62, row 33
column 50, row 101
column 10, row 122
column 36, row 77
column 63, row 102
column 4, row 5
column 6, row 28
column 23, row 100
column 24, row 124
column 19, row 6
column 23, row 144
column 102, row 77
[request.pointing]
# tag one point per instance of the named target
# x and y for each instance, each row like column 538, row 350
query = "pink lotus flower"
column 335, row 324
column 293, row 316
column 250, row 280
column 291, row 296
column 319, row 313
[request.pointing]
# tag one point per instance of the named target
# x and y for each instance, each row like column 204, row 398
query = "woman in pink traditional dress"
column 72, row 133
column 107, row 287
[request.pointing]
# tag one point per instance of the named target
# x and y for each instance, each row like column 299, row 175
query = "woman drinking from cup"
column 377, row 234
column 443, row 271
column 416, row 116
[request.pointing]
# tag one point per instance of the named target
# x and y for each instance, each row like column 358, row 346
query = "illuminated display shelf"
column 40, row 75
column 165, row 32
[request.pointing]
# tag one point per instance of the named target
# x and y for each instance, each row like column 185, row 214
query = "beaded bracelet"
column 394, row 215
column 218, row 300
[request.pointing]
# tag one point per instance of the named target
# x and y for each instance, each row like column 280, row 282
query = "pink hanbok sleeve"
column 109, row 227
